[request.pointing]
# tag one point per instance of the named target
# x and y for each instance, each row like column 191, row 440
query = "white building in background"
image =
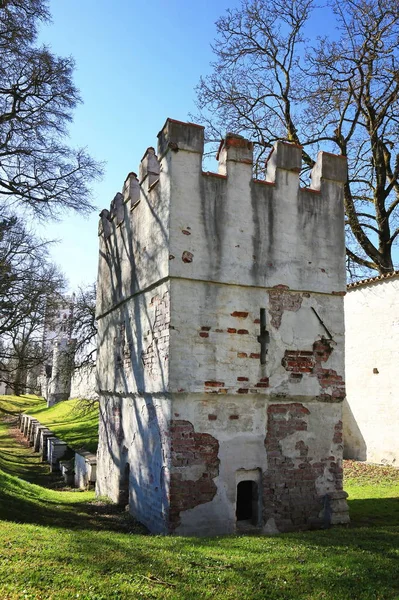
column 371, row 411
column 58, row 324
column 53, row 383
column 58, row 382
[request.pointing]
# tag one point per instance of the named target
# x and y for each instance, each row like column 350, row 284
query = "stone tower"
column 221, row 340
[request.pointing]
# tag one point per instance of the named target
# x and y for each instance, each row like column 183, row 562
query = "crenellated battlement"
column 226, row 226
column 176, row 136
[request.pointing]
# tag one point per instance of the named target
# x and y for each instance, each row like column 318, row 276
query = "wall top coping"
column 371, row 280
column 58, row 442
column 88, row 456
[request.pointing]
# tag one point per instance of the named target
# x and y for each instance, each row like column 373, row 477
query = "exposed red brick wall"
column 337, row 439
column 157, row 340
column 280, row 300
column 289, row 490
column 298, row 362
column 188, row 449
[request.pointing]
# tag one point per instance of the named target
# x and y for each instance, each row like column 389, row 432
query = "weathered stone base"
column 186, row 472
column 85, row 469
column 67, row 471
column 335, row 510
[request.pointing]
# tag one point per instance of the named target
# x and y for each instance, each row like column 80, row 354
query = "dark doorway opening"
column 124, row 486
column 247, row 502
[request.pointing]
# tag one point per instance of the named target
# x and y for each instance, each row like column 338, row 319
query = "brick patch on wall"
column 289, row 492
column 235, row 334
column 187, row 257
column 298, row 362
column 337, row 439
column 188, row 449
column 281, row 300
column 116, row 424
column 157, row 349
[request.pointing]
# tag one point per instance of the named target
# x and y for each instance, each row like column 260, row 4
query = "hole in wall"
column 124, row 486
column 247, row 504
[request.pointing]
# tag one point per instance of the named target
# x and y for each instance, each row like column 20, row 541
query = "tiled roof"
column 356, row 284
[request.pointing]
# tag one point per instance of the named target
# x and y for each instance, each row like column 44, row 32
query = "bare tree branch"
column 269, row 83
column 38, row 170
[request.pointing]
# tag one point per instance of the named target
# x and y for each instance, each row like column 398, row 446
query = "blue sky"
column 137, row 63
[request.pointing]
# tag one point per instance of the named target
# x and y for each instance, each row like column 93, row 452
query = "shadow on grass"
column 374, row 512
column 334, row 564
column 337, row 564
column 17, row 458
column 24, row 502
column 27, row 491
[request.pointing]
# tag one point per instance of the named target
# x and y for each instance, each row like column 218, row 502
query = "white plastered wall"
column 371, row 411
column 83, row 384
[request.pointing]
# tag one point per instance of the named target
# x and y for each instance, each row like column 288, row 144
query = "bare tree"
column 37, row 97
column 84, row 326
column 268, row 82
column 30, row 288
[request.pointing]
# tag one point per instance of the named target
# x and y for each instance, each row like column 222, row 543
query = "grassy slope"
column 74, row 425
column 69, row 420
column 51, row 547
column 17, row 404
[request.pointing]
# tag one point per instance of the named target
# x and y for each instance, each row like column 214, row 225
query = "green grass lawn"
column 63, row 545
